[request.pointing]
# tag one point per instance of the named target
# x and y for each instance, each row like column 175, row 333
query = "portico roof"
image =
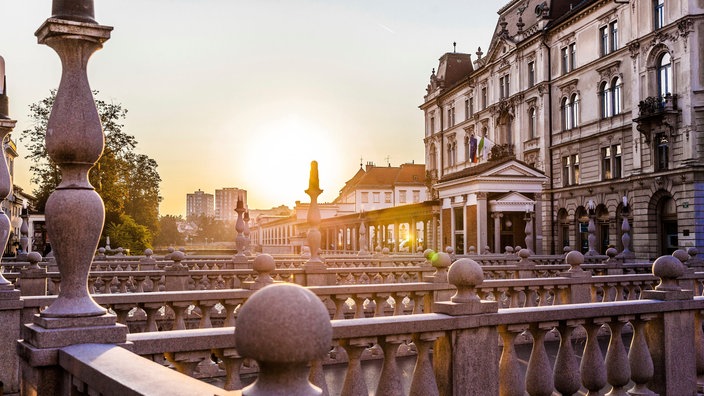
column 501, row 176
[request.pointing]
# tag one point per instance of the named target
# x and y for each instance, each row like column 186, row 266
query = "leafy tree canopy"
column 127, row 181
column 168, row 231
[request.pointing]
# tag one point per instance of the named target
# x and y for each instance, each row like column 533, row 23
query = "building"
column 226, row 202
column 390, row 201
column 198, row 204
column 589, row 105
column 378, row 187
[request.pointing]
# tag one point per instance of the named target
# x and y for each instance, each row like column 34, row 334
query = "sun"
column 278, row 157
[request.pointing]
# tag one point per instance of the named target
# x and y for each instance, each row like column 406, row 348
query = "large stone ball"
column 264, row 263
column 283, row 323
column 465, row 272
column 667, row 268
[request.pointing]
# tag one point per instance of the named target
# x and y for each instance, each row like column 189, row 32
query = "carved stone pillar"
column 497, row 231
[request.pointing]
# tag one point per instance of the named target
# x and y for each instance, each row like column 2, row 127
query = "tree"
column 168, row 231
column 128, row 182
column 128, row 234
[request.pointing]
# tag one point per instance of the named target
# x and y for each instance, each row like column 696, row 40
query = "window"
column 416, row 196
column 504, row 87
column 569, row 58
column 662, row 152
column 570, row 170
column 569, row 108
column 451, row 116
column 433, row 157
column 574, row 110
column 665, row 75
column 616, row 96
column 466, row 109
column 484, row 98
column 376, row 197
column 451, row 153
column 613, row 31
column 608, row 38
column 432, row 125
column 402, row 196
column 658, row 14
column 604, row 40
column 611, row 162
column 365, row 197
column 531, row 74
column 466, row 148
column 604, row 100
column 573, row 56
column 532, row 127
column 471, row 106
column 387, row 197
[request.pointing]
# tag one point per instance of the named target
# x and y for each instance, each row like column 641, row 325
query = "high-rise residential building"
column 199, row 203
column 590, row 117
column 226, row 202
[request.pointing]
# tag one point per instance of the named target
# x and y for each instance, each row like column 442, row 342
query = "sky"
column 230, row 93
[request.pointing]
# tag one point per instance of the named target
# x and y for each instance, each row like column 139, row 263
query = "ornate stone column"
column 74, row 212
column 314, row 268
column 591, row 228
column 497, row 231
column 10, row 304
column 363, row 242
column 240, row 260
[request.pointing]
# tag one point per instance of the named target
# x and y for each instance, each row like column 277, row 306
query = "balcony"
column 656, row 112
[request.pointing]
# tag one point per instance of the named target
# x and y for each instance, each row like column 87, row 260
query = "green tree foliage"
column 168, row 231
column 214, row 230
column 127, row 181
column 129, row 235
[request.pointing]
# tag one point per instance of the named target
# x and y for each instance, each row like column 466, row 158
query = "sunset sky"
column 225, row 93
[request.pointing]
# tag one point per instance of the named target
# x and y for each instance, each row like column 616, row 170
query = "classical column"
column 482, row 226
column 497, row 231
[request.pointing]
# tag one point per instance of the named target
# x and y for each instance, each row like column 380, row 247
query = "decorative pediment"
column 608, row 71
column 568, row 87
column 512, row 169
column 512, row 202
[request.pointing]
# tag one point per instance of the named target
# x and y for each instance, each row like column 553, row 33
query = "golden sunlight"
column 279, row 155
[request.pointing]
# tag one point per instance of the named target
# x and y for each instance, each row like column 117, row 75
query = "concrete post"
column 466, row 361
column 671, row 336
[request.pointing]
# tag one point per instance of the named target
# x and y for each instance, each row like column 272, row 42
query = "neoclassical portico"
column 494, row 204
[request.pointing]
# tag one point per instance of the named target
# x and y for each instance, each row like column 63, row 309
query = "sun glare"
column 279, row 155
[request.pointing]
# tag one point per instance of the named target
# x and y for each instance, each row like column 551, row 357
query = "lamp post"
column 529, row 228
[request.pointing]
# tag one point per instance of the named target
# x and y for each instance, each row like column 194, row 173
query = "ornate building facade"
column 578, row 111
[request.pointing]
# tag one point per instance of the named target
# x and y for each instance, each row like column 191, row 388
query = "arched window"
column 565, row 113
column 466, row 148
column 616, row 95
column 604, row 100
column 574, row 99
column 664, row 75
column 532, row 123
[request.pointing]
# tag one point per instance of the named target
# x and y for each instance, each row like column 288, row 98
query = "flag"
column 480, row 152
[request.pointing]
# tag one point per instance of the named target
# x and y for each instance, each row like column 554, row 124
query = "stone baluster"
column 618, row 370
column 179, row 308
column 380, row 301
column 123, row 279
column 423, row 381
column 566, row 371
column 186, row 362
column 139, row 283
column 512, row 382
column 539, row 379
column 640, row 361
column 151, row 309
column 205, row 313
column 592, row 367
column 232, row 362
column 122, row 311
column 230, row 306
column 317, row 377
column 340, row 303
column 354, row 383
column 390, row 378
column 359, row 305
column 283, row 327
